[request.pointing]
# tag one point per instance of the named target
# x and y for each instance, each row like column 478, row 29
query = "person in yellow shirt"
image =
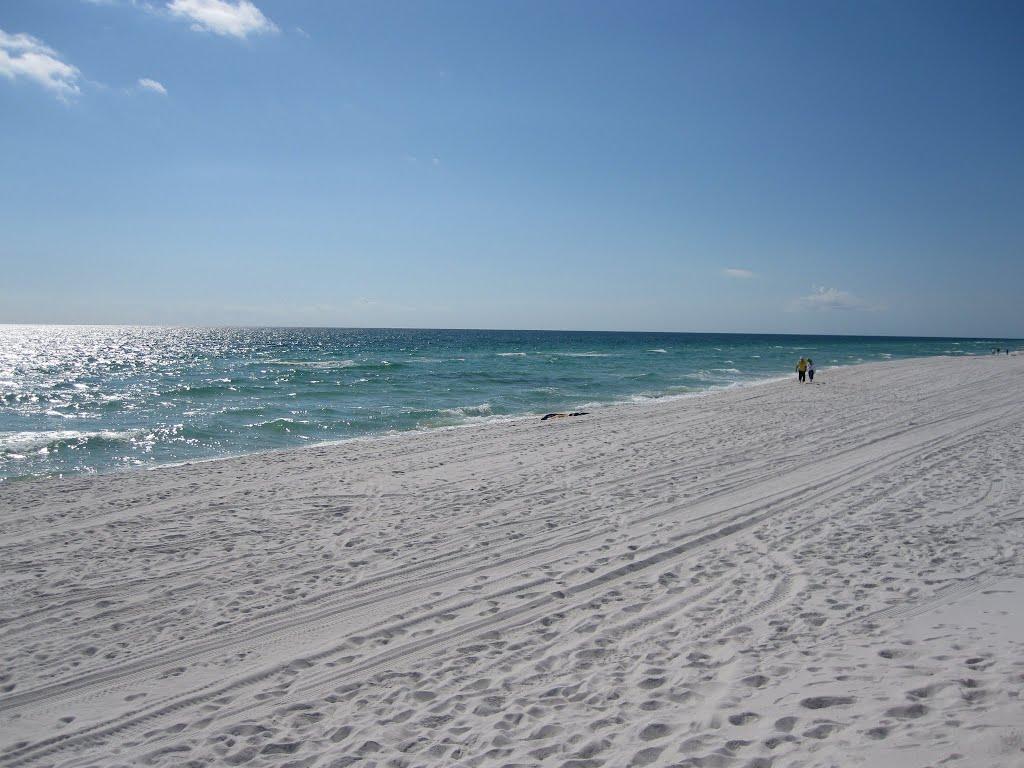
column 801, row 369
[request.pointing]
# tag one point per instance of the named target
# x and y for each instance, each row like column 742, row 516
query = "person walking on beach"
column 801, row 370
column 810, row 370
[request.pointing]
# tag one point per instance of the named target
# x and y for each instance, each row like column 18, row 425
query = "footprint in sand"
column 655, row 731
column 785, row 724
column 925, row 692
column 979, row 663
column 280, row 748
column 821, row 730
column 646, row 756
column 742, row 718
column 773, row 741
column 822, row 702
column 909, row 712
column 341, row 733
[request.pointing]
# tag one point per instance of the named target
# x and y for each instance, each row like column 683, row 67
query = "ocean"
column 88, row 399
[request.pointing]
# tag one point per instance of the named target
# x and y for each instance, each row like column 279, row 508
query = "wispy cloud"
column 155, row 86
column 238, row 18
column 24, row 56
column 740, row 274
column 826, row 299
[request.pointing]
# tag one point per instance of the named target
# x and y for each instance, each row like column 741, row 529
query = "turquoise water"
column 77, row 399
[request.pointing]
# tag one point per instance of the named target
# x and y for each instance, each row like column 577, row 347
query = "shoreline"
column 477, row 421
column 815, row 575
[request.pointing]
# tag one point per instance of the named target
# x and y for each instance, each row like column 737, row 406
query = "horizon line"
column 217, row 326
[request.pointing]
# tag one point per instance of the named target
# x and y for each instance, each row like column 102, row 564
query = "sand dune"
column 782, row 575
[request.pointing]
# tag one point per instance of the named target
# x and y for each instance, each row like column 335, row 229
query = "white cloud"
column 742, row 274
column 22, row 55
column 824, row 299
column 230, row 18
column 152, row 85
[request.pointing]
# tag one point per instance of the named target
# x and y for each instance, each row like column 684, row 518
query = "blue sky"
column 720, row 166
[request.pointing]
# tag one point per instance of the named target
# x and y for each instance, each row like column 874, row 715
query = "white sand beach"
column 778, row 575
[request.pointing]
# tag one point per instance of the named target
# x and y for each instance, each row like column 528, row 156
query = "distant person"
column 801, row 369
column 810, row 370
